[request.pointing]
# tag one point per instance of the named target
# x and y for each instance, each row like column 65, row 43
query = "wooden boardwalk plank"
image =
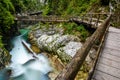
column 113, row 36
column 110, row 63
column 108, row 70
column 103, row 76
column 113, row 52
column 113, row 42
column 113, row 46
column 111, row 57
column 113, row 29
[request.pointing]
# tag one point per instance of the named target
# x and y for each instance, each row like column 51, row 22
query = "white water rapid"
column 25, row 66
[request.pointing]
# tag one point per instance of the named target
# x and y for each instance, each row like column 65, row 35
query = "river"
column 24, row 66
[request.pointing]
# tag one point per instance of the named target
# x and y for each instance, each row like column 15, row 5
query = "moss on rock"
column 4, row 58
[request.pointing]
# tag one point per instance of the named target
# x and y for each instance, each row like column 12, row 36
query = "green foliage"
column 27, row 5
column 69, row 27
column 7, row 4
column 1, row 44
column 33, row 5
column 46, row 11
column 83, row 32
column 6, row 18
column 73, row 28
column 69, row 7
column 18, row 5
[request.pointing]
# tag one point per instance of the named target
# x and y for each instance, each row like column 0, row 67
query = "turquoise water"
column 24, row 32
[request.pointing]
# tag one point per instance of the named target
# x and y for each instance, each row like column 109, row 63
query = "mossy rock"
column 35, row 49
column 4, row 58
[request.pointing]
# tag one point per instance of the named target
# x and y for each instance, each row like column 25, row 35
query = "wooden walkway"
column 108, row 64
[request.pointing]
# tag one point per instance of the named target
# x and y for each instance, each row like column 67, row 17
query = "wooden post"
column 72, row 68
column 91, row 18
column 96, row 24
column 83, row 18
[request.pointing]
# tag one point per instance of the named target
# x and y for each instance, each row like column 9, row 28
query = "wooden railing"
column 72, row 68
column 98, row 53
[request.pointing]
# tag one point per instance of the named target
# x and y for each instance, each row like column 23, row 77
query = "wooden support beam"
column 72, row 68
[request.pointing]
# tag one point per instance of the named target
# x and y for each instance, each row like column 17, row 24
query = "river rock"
column 35, row 49
column 69, row 50
column 55, row 43
column 91, row 57
column 72, row 47
column 4, row 58
column 36, row 33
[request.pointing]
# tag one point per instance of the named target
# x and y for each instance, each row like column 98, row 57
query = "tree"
column 6, row 18
column 18, row 5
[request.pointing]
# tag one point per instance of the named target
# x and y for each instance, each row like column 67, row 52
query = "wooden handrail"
column 101, row 45
column 72, row 68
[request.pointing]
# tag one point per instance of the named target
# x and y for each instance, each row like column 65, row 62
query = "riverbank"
column 60, row 46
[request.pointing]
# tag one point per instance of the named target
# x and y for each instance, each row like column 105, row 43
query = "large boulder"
column 69, row 50
column 65, row 46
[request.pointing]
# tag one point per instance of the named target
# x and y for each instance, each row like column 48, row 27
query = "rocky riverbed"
column 59, row 47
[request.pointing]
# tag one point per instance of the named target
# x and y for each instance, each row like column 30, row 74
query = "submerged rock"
column 5, row 74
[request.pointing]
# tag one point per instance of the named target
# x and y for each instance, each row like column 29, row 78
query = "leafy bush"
column 69, row 27
column 73, row 28
column 83, row 32
column 6, row 18
column 69, row 7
